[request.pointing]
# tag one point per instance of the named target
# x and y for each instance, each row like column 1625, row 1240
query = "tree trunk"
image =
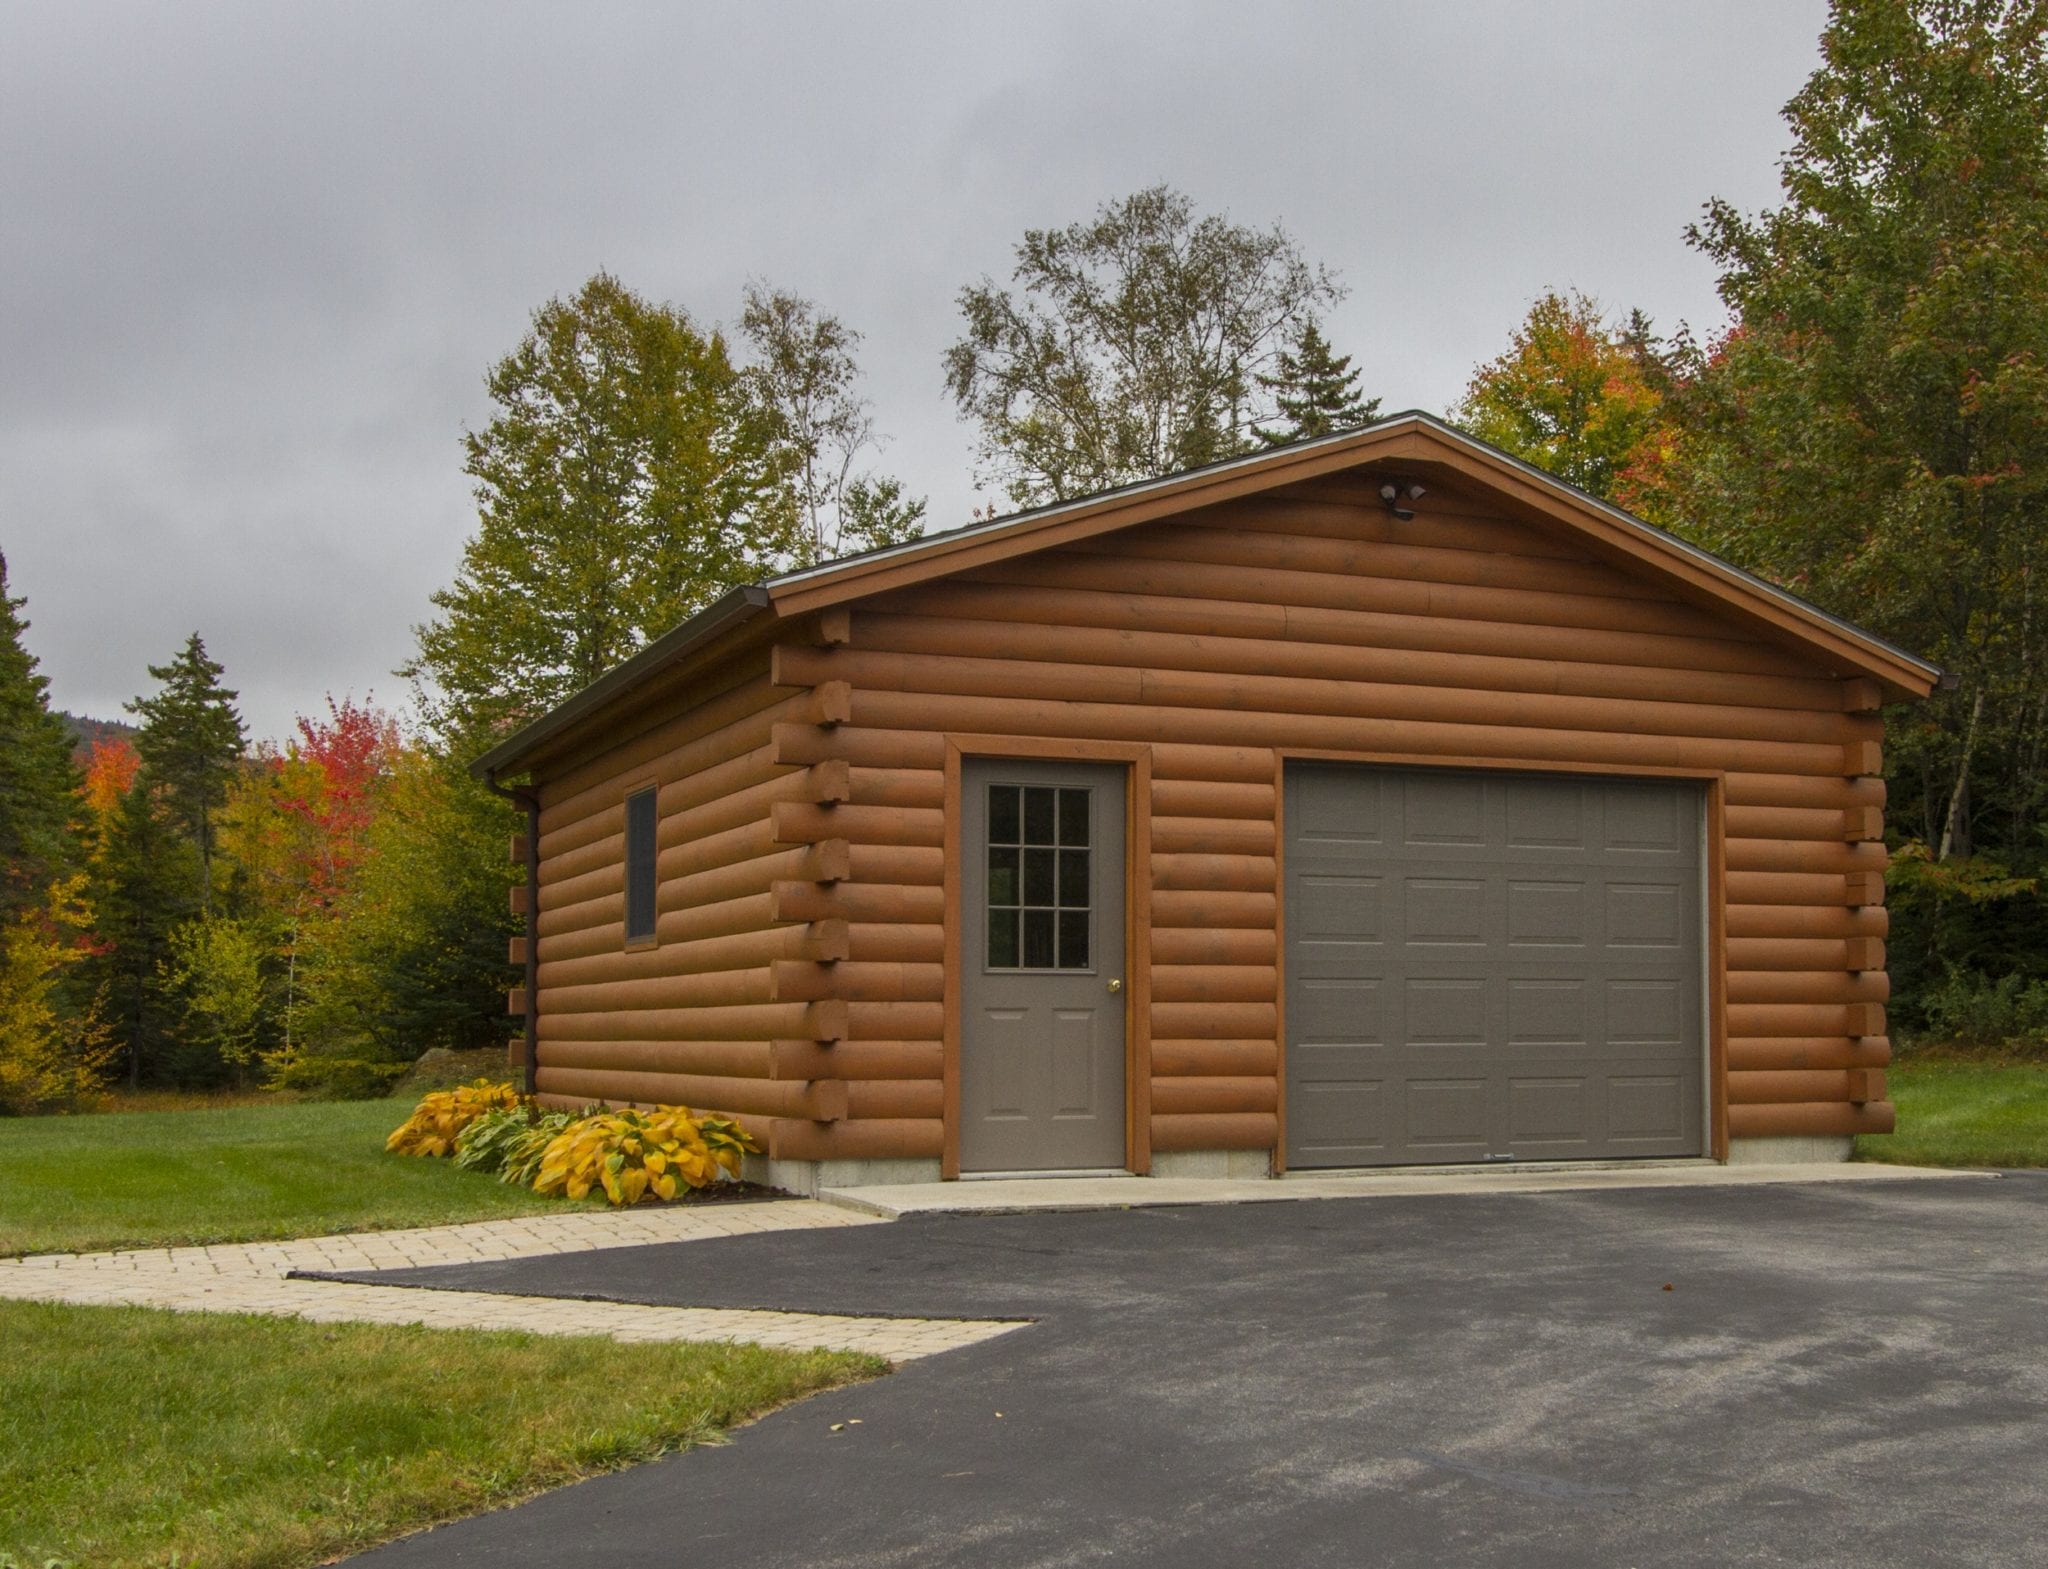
column 1955, row 827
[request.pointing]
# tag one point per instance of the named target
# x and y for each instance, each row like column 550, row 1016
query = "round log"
column 1281, row 656
column 1179, row 1097
column 1214, row 873
column 1808, row 986
column 1214, row 1021
column 1214, row 945
column 1214, row 983
column 1222, row 1059
column 895, row 1021
column 1206, row 907
column 723, row 1059
column 1812, row 1119
column 1022, row 602
column 1746, row 789
column 877, row 903
column 1771, row 1054
column 1621, row 749
column 1201, row 798
column 1214, row 1131
column 857, row 1060
column 1830, row 919
column 1804, row 855
column 1212, row 836
column 896, row 942
column 895, row 1138
column 1114, row 686
column 895, row 1098
column 907, row 787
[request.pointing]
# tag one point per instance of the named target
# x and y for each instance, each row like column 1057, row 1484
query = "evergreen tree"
column 38, row 781
column 1315, row 391
column 146, row 882
column 190, row 742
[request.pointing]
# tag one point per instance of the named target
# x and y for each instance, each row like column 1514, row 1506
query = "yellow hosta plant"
column 443, row 1114
column 636, row 1155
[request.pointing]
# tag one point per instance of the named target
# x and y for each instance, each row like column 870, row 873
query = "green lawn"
column 130, row 1436
column 1965, row 1114
column 238, row 1174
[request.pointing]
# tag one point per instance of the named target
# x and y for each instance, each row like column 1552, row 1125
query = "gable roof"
column 1414, row 440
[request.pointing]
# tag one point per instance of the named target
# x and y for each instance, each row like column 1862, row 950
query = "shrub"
column 337, row 1078
column 2010, row 1013
column 510, row 1141
column 641, row 1155
column 440, row 1117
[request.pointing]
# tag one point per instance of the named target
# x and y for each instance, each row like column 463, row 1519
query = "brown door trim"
column 1137, row 926
column 1713, row 866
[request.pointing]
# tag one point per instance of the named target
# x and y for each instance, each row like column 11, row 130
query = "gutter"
column 528, row 797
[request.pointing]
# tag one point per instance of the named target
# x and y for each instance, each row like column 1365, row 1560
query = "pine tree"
column 190, row 741
column 146, row 882
column 1316, row 392
column 38, row 780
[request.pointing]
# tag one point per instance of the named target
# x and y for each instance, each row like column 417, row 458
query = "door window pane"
column 1038, row 878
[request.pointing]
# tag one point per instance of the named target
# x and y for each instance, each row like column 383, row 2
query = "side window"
column 640, row 865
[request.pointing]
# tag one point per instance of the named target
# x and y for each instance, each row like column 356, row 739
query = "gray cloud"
column 254, row 260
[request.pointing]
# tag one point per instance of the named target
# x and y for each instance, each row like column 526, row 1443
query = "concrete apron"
column 1018, row 1195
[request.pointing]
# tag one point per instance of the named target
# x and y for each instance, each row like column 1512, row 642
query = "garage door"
column 1491, row 966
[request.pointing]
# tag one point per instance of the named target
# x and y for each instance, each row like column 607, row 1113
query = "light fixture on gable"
column 1398, row 493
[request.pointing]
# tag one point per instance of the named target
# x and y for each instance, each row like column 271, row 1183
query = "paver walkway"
column 255, row 1277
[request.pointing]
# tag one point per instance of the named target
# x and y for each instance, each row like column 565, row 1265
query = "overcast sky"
column 255, row 259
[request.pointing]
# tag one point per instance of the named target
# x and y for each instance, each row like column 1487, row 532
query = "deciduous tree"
column 1131, row 346
column 1576, row 396
column 805, row 374
column 1873, row 430
column 628, row 477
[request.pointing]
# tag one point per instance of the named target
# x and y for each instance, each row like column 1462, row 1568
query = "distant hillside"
column 86, row 733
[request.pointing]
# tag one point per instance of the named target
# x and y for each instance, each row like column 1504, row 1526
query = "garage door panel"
column 1452, row 816
column 1511, row 967
column 1440, row 910
column 1646, row 819
column 1330, row 912
column 1648, row 915
column 1550, row 1108
column 1548, row 815
column 1548, row 914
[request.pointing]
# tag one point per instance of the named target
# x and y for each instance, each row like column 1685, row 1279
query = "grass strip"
column 1965, row 1114
column 233, row 1174
column 134, row 1436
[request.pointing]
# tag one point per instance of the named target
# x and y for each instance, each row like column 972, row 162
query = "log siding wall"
column 800, row 980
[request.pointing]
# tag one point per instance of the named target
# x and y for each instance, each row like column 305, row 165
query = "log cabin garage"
column 1377, row 800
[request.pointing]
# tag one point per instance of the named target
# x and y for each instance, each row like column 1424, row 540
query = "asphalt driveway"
column 1824, row 1374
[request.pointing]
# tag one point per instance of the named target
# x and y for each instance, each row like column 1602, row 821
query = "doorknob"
column 1116, row 986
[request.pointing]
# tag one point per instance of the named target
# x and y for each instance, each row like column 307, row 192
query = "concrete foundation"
column 806, row 1177
column 1213, row 1165
column 1797, row 1151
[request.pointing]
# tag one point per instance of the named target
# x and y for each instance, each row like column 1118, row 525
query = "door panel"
column 1489, row 965
column 1042, row 955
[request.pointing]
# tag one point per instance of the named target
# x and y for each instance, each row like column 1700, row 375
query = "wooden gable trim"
column 1413, row 441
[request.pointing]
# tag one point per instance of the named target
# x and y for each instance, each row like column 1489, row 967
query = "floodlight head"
column 1391, row 493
